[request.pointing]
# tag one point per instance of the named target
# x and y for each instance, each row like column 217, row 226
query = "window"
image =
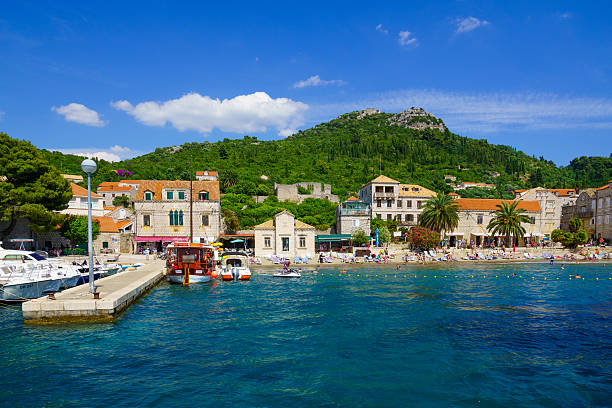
column 302, row 242
column 205, row 220
column 607, row 219
column 399, row 203
column 532, row 220
column 203, row 195
column 410, row 218
column 389, row 202
column 355, row 223
column 399, row 217
column 169, row 195
column 379, row 203
column 419, row 204
column 181, row 195
column 105, row 244
column 378, row 216
column 148, row 196
column 593, row 221
column 176, row 217
column 599, row 219
column 607, row 201
column 285, row 241
column 389, row 190
column 379, row 189
column 267, row 242
column 408, row 203
column 479, row 219
column 389, row 217
column 146, row 220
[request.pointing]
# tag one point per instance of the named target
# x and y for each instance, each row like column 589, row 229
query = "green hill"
column 412, row 147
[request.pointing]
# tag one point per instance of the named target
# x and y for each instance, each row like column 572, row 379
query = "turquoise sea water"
column 450, row 337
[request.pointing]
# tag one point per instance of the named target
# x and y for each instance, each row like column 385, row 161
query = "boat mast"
column 190, row 199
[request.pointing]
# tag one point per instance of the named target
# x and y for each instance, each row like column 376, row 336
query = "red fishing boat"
column 190, row 262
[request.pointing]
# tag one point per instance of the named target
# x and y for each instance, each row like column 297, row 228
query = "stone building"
column 284, row 236
column 290, row 192
column 583, row 208
column 111, row 189
column 551, row 202
column 162, row 212
column 207, row 175
column 603, row 213
column 389, row 199
column 468, row 184
column 476, row 213
column 353, row 215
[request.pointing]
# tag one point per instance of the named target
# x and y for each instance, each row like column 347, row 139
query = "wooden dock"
column 78, row 305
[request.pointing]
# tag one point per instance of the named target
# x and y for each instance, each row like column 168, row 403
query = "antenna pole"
column 190, row 199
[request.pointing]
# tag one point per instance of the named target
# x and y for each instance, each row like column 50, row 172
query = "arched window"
column 180, row 218
column 203, row 195
column 176, row 219
column 171, row 219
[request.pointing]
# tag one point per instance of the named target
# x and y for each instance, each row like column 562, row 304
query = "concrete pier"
column 78, row 305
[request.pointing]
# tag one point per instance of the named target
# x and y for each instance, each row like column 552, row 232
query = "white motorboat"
column 235, row 266
column 56, row 267
column 26, row 281
column 288, row 273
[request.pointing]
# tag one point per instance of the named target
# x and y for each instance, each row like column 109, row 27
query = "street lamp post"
column 89, row 166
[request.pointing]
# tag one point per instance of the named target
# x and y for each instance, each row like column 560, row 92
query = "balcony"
column 383, row 195
column 346, row 211
column 585, row 214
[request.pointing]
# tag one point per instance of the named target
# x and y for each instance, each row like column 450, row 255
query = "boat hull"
column 31, row 290
column 70, row 281
column 192, row 278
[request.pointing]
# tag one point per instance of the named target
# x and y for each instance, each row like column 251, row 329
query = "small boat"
column 235, row 266
column 23, row 282
column 290, row 273
column 189, row 262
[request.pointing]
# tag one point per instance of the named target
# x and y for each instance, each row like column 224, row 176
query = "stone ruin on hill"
column 416, row 118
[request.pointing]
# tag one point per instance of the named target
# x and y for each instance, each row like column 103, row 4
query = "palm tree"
column 507, row 220
column 440, row 213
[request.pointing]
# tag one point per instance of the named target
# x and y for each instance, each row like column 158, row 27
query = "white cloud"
column 112, row 154
column 75, row 112
column 315, row 80
column 243, row 114
column 467, row 24
column 405, row 39
column 380, row 28
column 491, row 112
column 565, row 15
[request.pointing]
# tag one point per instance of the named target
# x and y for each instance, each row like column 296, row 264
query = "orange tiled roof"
column 352, row 198
column 108, row 184
column 156, row 187
column 414, row 190
column 79, row 191
column 383, row 179
column 606, row 186
column 486, row 204
column 206, row 173
column 114, row 188
column 122, row 224
column 110, row 208
column 563, row 192
column 454, row 195
column 107, row 224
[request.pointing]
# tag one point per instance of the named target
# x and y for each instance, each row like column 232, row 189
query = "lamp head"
column 89, row 166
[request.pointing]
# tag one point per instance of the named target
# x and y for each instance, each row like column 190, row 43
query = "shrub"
column 423, row 238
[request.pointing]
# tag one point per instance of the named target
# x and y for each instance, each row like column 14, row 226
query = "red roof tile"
column 79, row 191
column 485, row 204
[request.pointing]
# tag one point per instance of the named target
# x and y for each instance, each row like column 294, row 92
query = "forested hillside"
column 350, row 150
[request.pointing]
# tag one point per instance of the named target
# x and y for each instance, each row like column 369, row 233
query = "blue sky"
column 121, row 78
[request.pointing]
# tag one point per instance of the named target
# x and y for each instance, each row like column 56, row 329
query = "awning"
column 454, row 234
column 333, row 238
column 235, row 241
column 160, row 239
